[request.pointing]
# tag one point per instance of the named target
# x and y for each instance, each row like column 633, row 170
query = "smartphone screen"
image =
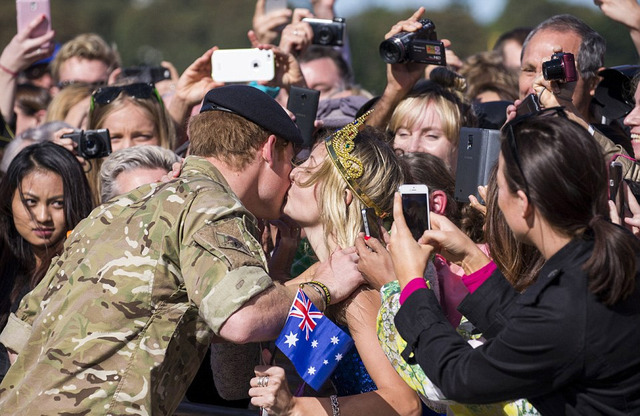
column 415, row 207
column 370, row 224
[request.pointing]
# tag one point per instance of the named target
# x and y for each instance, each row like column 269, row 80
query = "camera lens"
column 324, row 36
column 392, row 51
column 553, row 70
column 91, row 145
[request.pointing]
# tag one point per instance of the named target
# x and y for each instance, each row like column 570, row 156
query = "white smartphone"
column 415, row 207
column 242, row 65
column 27, row 10
column 272, row 5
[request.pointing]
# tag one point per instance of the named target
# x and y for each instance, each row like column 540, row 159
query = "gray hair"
column 124, row 160
column 42, row 133
column 592, row 48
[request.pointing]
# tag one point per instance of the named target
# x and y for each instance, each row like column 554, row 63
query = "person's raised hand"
column 23, row 50
column 297, row 35
column 267, row 26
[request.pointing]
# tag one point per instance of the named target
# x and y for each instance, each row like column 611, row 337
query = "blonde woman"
column 328, row 191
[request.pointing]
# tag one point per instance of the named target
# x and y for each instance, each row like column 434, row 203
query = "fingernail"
column 366, row 237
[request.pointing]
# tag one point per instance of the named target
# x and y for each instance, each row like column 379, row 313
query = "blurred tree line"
column 148, row 31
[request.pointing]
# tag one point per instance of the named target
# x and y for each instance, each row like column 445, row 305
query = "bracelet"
column 8, row 71
column 317, row 289
column 324, row 288
column 335, row 407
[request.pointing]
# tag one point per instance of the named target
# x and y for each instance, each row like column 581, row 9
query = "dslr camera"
column 327, row 32
column 92, row 144
column 420, row 46
column 561, row 68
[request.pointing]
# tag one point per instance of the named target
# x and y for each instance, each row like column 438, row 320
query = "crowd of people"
column 153, row 232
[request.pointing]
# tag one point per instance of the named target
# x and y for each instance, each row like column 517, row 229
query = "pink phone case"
column 27, row 10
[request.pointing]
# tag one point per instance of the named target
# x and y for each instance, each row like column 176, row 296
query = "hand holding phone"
column 28, row 10
column 370, row 224
column 415, row 207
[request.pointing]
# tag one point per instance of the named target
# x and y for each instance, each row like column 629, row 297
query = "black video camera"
column 327, row 32
column 92, row 144
column 420, row 46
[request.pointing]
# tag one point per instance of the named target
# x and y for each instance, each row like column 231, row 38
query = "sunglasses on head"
column 106, row 95
column 511, row 137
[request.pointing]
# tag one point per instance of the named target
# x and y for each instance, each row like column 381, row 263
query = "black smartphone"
column 415, row 207
column 303, row 102
column 616, row 188
column 148, row 74
column 370, row 223
column 529, row 104
column 478, row 151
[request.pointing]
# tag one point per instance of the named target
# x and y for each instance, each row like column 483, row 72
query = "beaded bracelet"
column 317, row 289
column 325, row 289
column 335, row 407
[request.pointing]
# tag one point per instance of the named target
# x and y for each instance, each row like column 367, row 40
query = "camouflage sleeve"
column 222, row 263
column 18, row 328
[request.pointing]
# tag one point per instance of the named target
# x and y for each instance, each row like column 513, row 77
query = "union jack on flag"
column 302, row 309
column 316, row 354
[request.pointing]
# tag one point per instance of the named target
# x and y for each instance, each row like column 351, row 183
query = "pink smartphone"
column 27, row 10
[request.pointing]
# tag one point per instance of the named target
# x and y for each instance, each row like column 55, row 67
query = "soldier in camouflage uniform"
column 123, row 318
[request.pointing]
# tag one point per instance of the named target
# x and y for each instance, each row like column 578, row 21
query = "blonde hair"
column 86, row 46
column 64, row 100
column 381, row 177
column 410, row 110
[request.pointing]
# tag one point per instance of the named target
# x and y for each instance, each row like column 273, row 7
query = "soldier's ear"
column 269, row 150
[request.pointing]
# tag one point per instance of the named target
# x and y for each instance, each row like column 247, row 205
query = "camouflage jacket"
column 122, row 320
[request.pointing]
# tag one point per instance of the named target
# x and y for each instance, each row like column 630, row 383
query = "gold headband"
column 339, row 146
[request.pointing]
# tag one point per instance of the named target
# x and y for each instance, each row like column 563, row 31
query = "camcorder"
column 420, row 46
column 92, row 144
column 561, row 68
column 327, row 32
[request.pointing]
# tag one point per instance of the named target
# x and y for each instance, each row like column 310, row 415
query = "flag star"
column 314, row 344
column 291, row 339
column 325, row 362
column 311, row 370
column 338, row 357
column 334, row 340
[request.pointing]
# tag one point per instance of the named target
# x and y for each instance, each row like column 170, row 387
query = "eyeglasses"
column 106, row 95
column 511, row 138
column 63, row 84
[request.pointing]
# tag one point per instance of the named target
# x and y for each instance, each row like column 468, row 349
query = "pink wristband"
column 412, row 286
column 477, row 278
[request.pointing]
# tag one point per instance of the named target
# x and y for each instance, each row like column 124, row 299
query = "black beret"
column 255, row 106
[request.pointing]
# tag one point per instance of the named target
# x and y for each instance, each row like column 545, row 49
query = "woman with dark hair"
column 569, row 342
column 43, row 195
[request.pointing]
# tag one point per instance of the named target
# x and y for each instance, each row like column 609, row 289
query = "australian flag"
column 312, row 342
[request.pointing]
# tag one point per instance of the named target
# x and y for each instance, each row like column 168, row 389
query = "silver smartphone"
column 242, row 65
column 273, row 5
column 370, row 224
column 415, row 207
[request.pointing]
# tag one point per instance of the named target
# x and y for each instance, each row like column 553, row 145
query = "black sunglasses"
column 105, row 95
column 511, row 137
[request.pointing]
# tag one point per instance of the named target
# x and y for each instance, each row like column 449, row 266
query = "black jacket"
column 555, row 344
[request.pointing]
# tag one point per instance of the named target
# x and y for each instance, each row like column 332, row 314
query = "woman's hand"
column 632, row 222
column 67, row 143
column 267, row 26
column 23, row 50
column 375, row 262
column 476, row 204
column 288, row 72
column 269, row 391
column 298, row 35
